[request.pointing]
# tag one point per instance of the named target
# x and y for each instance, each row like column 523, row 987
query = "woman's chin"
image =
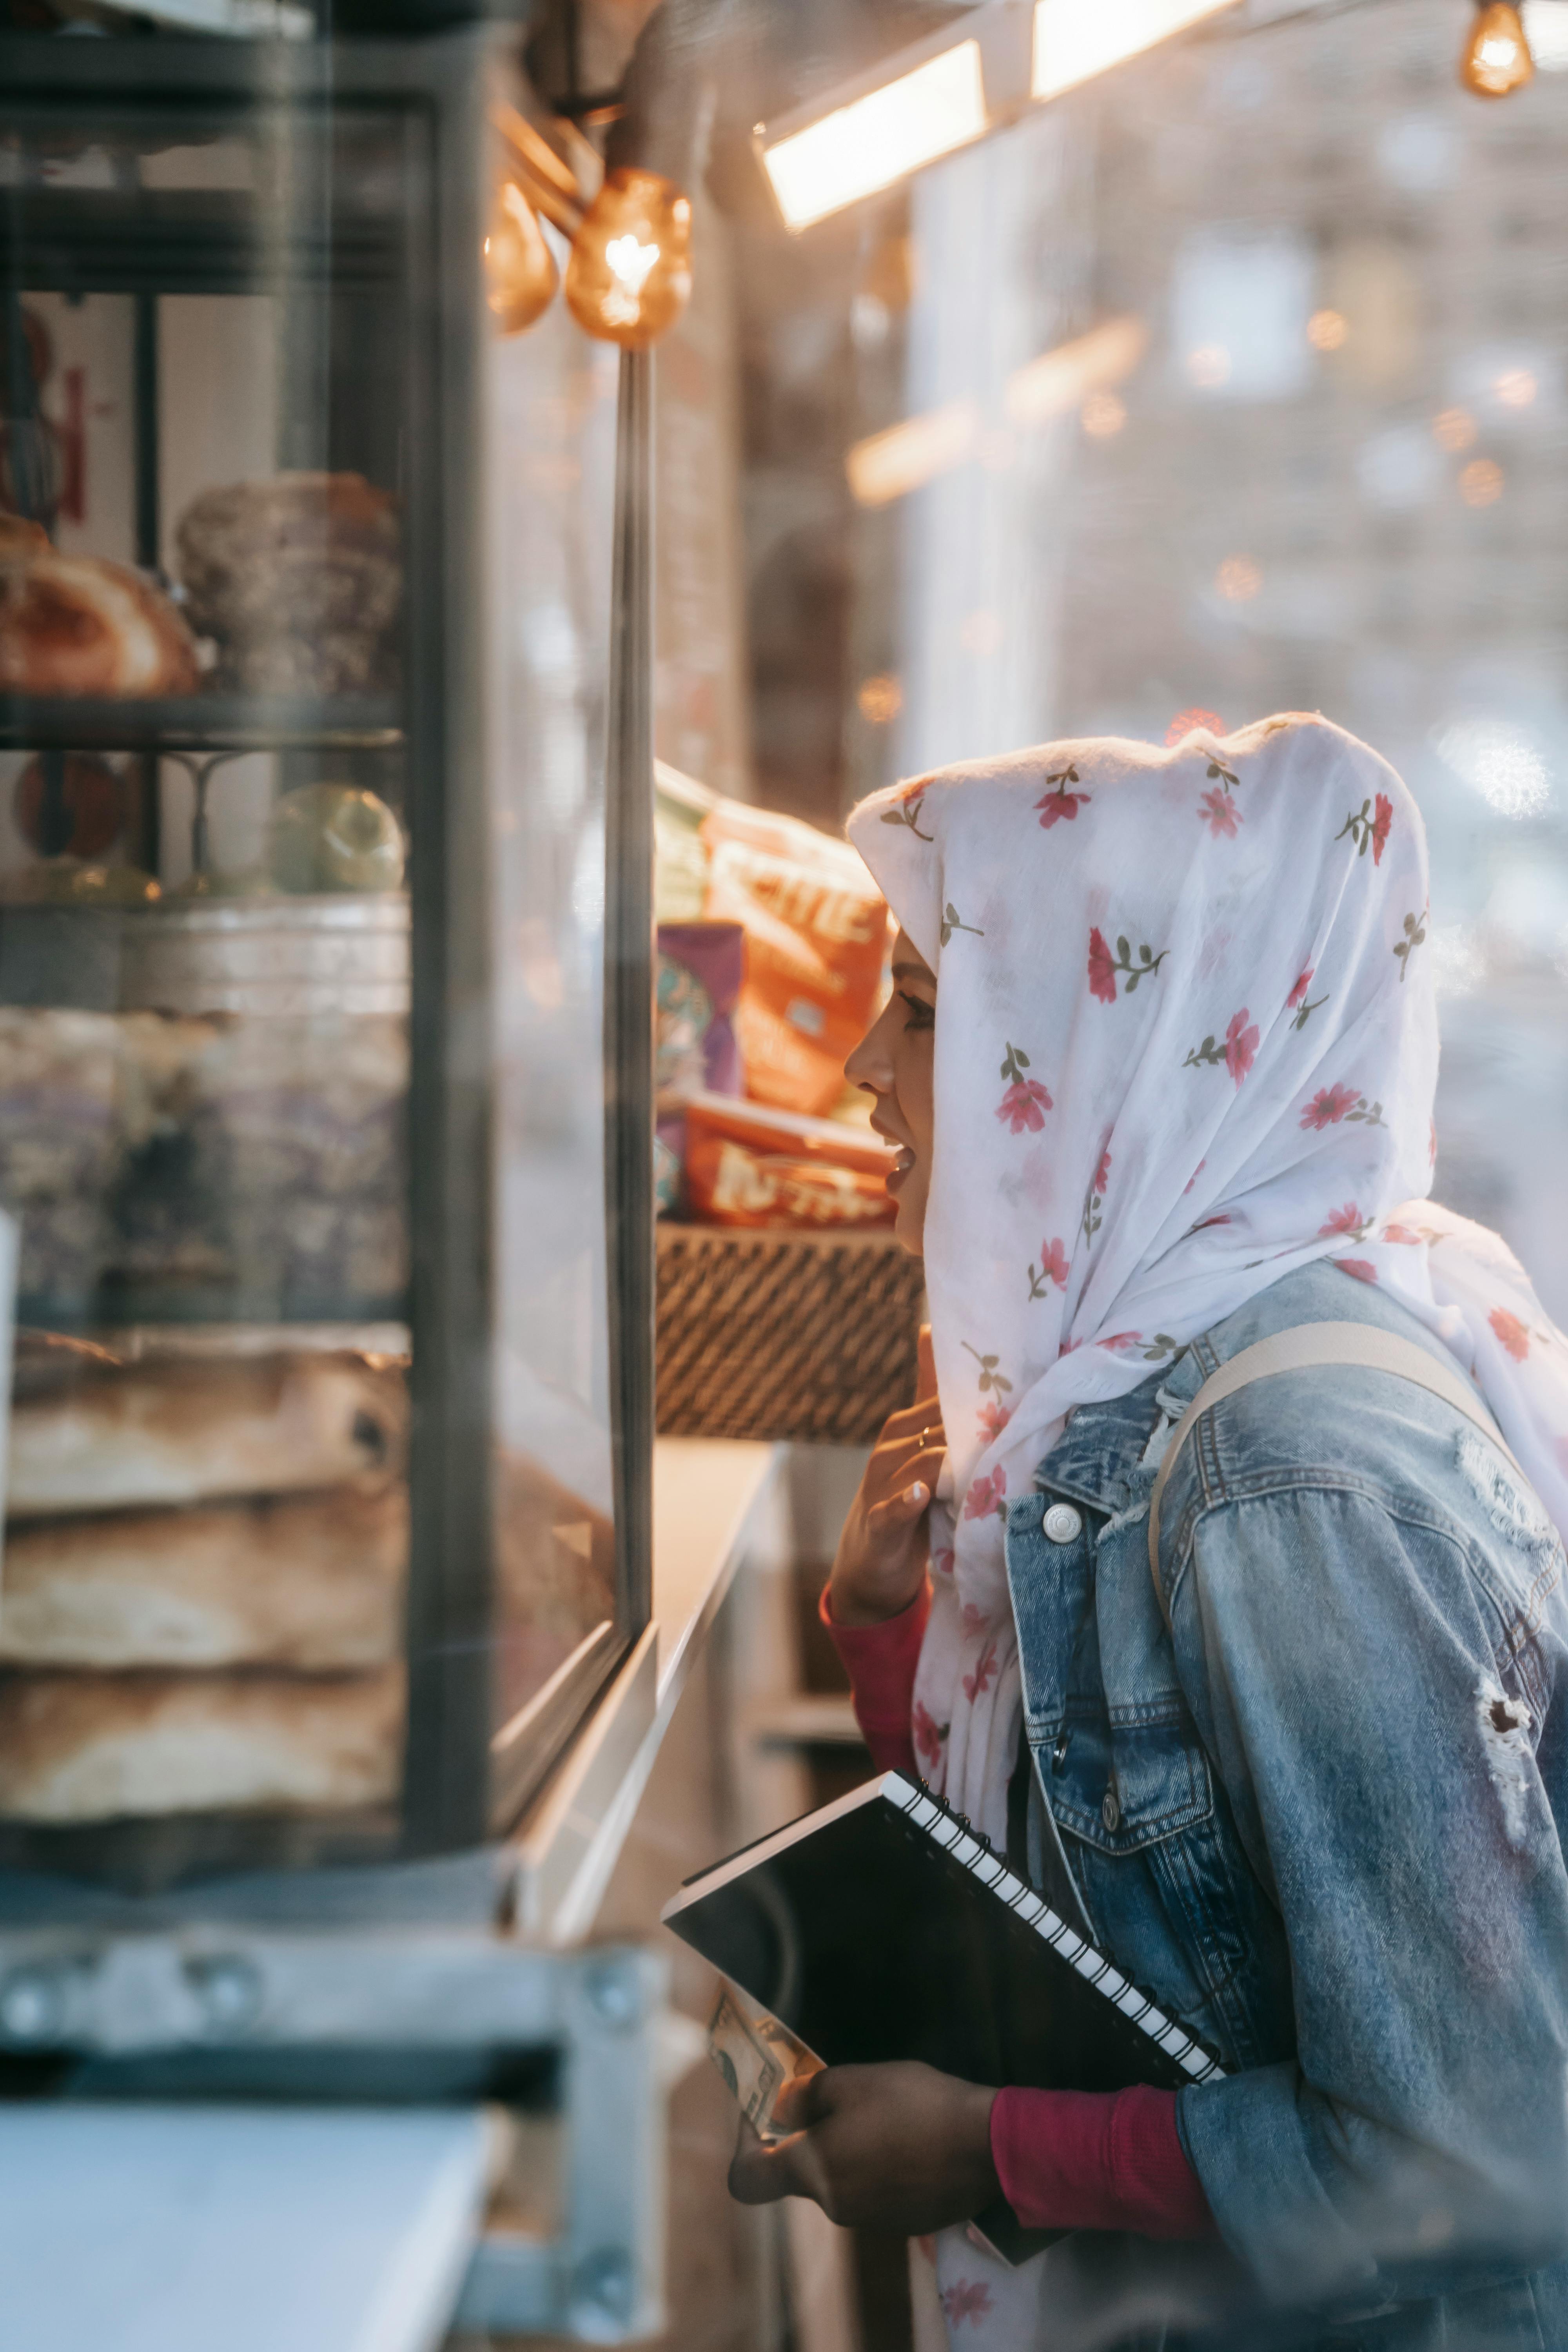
column 908, row 1225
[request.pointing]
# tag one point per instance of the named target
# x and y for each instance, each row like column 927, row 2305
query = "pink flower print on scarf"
column 907, row 810
column 977, row 1685
column 1330, row 1104
column 1348, row 1221
column 1403, row 1234
column 1220, row 815
column 928, row 1736
column 1103, row 966
column 966, row 2299
column 1513, row 1334
column 1094, row 1199
column 1369, row 826
column 1238, row 1052
column 994, row 1418
column 1057, row 802
column 1297, row 1001
column 1053, row 1267
column 1026, row 1101
column 1362, row 1269
column 987, row 1495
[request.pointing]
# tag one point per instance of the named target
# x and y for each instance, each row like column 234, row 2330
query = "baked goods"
column 299, row 579
column 267, row 1155
column 186, row 1432
column 84, row 1748
column 79, row 624
column 314, row 1585
column 19, row 538
column 335, row 837
column 61, row 1145
column 276, row 1162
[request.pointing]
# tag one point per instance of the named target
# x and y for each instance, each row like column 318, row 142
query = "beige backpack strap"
column 1299, row 1349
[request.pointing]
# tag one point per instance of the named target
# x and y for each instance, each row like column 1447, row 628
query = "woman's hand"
column 880, row 1563
column 898, row 2148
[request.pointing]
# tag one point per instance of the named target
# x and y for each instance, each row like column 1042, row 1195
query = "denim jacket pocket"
column 1145, row 1781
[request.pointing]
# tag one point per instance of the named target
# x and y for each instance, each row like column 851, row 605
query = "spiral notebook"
column 884, row 1927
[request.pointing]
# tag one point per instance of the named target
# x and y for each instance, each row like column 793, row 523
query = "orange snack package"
column 816, row 931
column 746, row 1166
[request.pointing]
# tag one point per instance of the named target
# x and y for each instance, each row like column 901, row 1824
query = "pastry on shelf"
column 275, row 1158
column 74, row 625
column 314, row 1583
column 298, row 579
column 61, row 1145
column 183, row 1430
column 87, row 1747
column 335, row 837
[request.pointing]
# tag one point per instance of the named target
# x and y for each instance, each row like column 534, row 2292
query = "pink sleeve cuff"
column 1097, row 2161
column 880, row 1661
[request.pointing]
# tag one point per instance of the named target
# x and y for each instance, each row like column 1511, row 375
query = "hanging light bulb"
column 1497, row 57
column 629, row 276
column 520, row 268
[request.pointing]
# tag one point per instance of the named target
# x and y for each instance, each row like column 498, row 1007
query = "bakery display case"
column 324, row 966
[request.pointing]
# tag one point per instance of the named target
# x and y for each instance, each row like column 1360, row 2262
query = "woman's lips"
column 900, row 1168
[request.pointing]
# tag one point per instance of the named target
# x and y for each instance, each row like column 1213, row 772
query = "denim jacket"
column 1319, row 1816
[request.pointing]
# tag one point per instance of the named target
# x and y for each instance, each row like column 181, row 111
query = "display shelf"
column 130, row 240
column 199, row 722
column 220, row 1309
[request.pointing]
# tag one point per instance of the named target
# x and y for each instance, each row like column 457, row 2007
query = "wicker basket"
column 801, row 1335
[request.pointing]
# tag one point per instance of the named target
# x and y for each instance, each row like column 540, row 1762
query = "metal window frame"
column 441, row 87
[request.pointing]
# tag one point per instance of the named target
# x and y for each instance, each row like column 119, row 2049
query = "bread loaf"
column 299, row 579
column 185, row 1431
column 79, row 624
column 316, row 1585
column 87, row 1748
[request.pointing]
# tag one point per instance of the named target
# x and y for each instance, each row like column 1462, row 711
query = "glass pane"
column 553, row 398
column 205, row 957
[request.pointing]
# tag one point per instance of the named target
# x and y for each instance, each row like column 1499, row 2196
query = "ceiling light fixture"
column 1497, row 57
column 1075, row 40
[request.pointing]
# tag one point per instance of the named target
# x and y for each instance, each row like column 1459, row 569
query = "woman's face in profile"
column 893, row 1061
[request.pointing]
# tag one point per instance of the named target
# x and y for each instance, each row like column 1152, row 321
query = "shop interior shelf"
column 159, row 1313
column 199, row 722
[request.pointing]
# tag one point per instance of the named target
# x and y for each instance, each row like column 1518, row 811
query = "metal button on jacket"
column 1111, row 1810
column 1062, row 1524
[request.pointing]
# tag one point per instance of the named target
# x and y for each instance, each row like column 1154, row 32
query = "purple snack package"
column 700, row 969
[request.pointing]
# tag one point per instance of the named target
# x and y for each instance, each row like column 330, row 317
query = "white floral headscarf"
column 1185, row 1041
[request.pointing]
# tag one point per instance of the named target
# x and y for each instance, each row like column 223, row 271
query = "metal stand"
column 190, row 2011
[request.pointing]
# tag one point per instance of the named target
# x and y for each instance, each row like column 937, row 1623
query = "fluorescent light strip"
column 1073, row 41
column 905, row 457
column 876, row 140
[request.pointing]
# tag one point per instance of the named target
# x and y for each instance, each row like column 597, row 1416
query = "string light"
column 521, row 276
column 1497, row 57
column 629, row 276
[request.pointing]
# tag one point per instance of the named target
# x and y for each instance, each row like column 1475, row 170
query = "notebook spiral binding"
column 952, row 1831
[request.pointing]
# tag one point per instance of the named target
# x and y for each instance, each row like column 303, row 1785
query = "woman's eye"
column 921, row 1015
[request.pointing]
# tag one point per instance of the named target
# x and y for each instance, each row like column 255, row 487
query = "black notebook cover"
column 883, row 1927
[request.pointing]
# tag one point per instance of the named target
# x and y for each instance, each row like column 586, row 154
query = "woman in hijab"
column 1160, row 1059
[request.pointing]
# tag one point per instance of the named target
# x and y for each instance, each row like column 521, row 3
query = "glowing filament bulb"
column 1497, row 57
column 520, row 268
column 629, row 276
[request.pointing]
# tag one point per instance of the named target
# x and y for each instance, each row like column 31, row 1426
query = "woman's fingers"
column 913, row 1483
column 761, row 2172
column 925, row 1363
column 900, row 1427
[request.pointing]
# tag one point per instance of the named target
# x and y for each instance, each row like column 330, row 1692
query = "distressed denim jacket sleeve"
column 1371, row 1667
